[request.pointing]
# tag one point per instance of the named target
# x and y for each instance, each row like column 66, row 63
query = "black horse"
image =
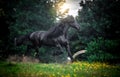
column 55, row 36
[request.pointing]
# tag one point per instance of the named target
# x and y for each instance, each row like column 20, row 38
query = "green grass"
column 76, row 69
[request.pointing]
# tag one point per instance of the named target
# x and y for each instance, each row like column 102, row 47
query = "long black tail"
column 21, row 39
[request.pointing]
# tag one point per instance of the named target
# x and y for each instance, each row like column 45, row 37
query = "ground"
column 76, row 69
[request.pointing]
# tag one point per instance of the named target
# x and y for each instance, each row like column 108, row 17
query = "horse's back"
column 36, row 36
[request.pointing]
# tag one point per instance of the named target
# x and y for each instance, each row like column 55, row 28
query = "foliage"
column 102, row 15
column 26, row 16
column 77, row 69
column 52, row 55
column 101, row 50
column 99, row 18
column 30, row 16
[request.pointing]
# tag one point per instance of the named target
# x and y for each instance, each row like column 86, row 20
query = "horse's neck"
column 66, row 28
column 57, row 30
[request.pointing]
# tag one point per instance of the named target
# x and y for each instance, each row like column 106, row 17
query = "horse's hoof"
column 69, row 60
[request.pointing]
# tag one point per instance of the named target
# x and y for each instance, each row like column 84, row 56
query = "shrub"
column 101, row 50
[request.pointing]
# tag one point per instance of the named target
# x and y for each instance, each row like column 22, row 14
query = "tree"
column 6, row 10
column 100, row 18
column 25, row 16
column 101, row 15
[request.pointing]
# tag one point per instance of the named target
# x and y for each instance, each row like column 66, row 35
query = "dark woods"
column 99, row 21
column 99, row 28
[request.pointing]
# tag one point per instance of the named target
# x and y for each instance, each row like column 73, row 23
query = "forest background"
column 98, row 19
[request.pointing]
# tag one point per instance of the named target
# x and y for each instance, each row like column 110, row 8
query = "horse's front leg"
column 37, row 52
column 69, row 52
column 60, row 47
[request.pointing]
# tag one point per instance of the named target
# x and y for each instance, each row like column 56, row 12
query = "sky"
column 73, row 6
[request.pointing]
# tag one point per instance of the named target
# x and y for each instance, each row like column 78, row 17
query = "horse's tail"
column 21, row 39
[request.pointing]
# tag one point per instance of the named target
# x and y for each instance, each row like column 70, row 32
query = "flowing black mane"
column 60, row 28
column 55, row 31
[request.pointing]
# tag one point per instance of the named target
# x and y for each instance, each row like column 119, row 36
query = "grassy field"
column 76, row 69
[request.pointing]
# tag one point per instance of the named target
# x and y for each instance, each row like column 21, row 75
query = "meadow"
column 76, row 69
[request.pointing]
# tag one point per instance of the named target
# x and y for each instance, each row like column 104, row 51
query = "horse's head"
column 70, row 20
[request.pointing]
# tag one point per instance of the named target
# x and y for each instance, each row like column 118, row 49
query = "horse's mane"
column 57, row 29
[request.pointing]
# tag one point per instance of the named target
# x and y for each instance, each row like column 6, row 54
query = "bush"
column 101, row 50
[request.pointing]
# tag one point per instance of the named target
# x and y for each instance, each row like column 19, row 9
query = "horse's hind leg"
column 29, row 47
column 37, row 52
